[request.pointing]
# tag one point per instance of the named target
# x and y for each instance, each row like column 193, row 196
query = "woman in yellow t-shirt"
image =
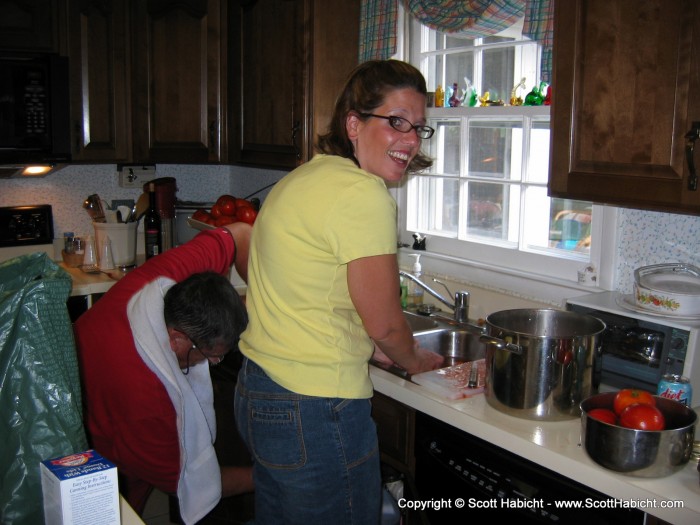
column 323, row 295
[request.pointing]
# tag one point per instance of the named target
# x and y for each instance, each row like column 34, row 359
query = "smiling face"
column 379, row 148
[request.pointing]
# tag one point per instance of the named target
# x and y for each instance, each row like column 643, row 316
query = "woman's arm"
column 374, row 289
column 241, row 233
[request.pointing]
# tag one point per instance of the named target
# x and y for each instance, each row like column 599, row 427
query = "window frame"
column 531, row 274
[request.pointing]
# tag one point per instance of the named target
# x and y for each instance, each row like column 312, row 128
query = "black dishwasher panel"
column 452, row 465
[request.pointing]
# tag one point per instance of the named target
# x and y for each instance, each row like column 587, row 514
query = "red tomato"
column 201, row 215
column 243, row 202
column 224, row 220
column 216, row 211
column 642, row 417
column 631, row 396
column 603, row 414
column 246, row 214
column 227, row 204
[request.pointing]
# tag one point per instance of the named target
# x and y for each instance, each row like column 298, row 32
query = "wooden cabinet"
column 178, row 78
column 150, row 80
column 100, row 96
column 31, row 25
column 396, row 430
column 289, row 60
column 626, row 80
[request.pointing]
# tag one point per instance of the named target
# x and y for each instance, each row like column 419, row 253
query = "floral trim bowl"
column 668, row 289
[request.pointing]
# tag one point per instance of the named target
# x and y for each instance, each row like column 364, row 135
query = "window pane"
column 570, row 225
column 495, row 149
column 458, row 66
column 485, row 217
column 561, row 226
column 497, row 73
column 538, row 163
column 444, row 146
column 497, row 40
column 437, row 202
column 454, row 41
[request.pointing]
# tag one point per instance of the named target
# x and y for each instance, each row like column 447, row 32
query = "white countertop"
column 90, row 283
column 554, row 445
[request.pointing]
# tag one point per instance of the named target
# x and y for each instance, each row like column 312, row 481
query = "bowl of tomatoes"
column 226, row 210
column 636, row 433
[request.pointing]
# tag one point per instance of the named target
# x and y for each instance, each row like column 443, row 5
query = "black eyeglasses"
column 404, row 126
column 218, row 358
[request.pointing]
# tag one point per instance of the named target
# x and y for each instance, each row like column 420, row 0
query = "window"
column 485, row 197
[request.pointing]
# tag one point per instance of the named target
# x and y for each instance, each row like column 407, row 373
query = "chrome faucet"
column 460, row 306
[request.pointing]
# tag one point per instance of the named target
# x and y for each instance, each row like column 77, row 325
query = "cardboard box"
column 80, row 489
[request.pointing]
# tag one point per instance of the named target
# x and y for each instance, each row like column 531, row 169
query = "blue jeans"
column 316, row 460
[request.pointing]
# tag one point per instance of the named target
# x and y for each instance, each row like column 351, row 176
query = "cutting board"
column 451, row 382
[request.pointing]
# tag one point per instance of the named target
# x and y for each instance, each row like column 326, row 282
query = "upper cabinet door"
column 626, row 85
column 289, row 60
column 267, row 82
column 178, row 73
column 99, row 62
column 30, row 25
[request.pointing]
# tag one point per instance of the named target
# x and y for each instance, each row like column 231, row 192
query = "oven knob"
column 677, row 343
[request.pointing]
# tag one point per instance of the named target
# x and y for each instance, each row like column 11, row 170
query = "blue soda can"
column 676, row 387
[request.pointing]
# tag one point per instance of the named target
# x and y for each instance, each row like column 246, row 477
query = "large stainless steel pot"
column 540, row 364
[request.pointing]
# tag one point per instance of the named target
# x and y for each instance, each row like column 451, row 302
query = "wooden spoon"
column 141, row 206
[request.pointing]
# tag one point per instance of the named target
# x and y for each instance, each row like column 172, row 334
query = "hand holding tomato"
column 632, row 396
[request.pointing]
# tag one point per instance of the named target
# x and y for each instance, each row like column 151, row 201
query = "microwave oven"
column 34, row 109
column 638, row 348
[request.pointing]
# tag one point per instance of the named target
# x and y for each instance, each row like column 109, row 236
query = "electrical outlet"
column 135, row 175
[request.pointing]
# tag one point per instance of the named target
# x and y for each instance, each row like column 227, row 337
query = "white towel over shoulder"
column 199, row 487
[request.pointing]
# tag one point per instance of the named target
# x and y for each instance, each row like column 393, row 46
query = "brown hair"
column 365, row 90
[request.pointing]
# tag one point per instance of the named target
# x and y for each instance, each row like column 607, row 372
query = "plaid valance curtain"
column 378, row 29
column 473, row 18
column 539, row 26
column 476, row 18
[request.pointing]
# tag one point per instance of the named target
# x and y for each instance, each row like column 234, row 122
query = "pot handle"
column 501, row 344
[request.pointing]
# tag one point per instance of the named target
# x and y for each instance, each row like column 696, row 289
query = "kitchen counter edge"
column 555, row 445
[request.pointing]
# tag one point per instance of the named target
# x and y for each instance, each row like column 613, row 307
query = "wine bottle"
column 152, row 225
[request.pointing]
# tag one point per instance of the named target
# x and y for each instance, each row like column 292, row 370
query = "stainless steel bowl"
column 641, row 453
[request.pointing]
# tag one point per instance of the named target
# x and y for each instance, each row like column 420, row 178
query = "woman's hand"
column 426, row 360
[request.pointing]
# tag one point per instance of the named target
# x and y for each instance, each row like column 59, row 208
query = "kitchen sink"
column 419, row 323
column 456, row 346
column 456, row 343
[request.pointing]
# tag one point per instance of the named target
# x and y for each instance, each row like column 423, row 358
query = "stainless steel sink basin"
column 420, row 323
column 456, row 346
column 456, row 343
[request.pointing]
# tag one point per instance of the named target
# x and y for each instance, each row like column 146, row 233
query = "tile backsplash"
column 644, row 237
column 653, row 238
column 66, row 189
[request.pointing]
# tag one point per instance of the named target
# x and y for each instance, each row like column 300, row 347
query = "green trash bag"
column 40, row 398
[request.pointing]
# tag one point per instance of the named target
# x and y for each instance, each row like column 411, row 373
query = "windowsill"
column 506, row 281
